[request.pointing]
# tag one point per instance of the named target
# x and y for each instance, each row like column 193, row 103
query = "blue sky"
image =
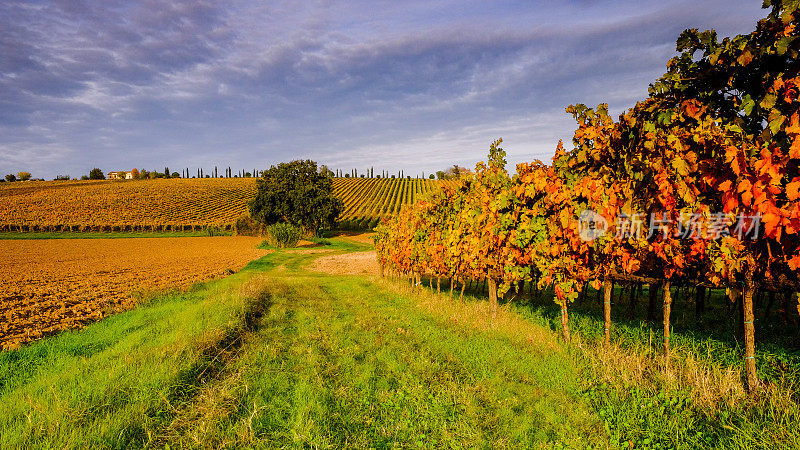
column 417, row 85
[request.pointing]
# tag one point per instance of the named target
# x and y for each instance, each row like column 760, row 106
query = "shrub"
column 214, row 231
column 363, row 224
column 283, row 235
column 246, row 226
column 320, row 240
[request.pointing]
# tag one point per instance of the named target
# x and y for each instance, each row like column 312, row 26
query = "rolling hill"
column 179, row 204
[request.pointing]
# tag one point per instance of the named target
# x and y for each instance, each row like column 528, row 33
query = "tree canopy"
column 96, row 174
column 298, row 193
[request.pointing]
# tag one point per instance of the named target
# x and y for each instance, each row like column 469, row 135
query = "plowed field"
column 51, row 285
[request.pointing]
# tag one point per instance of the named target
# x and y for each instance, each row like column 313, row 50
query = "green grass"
column 657, row 413
column 639, row 405
column 275, row 356
column 328, row 243
column 105, row 235
column 278, row 356
column 714, row 334
column 336, row 363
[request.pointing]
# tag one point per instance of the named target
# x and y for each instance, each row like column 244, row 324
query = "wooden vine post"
column 492, row 284
column 699, row 302
column 607, row 289
column 667, row 312
column 565, row 320
column 749, row 333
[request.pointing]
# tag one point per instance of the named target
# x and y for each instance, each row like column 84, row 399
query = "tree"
column 295, row 192
column 324, row 170
column 432, row 176
column 456, row 172
column 453, row 173
column 176, row 175
column 96, row 174
column 24, row 176
column 11, row 177
column 135, row 173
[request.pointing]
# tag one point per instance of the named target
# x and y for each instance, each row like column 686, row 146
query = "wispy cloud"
column 418, row 85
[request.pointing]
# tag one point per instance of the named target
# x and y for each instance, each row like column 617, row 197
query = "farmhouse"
column 122, row 175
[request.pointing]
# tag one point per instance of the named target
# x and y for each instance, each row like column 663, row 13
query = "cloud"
column 189, row 83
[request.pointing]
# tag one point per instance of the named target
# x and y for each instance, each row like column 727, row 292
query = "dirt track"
column 360, row 263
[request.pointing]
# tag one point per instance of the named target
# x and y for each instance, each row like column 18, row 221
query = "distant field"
column 178, row 204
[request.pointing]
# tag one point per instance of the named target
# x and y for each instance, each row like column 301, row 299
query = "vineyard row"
column 714, row 149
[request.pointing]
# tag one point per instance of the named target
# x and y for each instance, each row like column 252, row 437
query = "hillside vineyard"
column 179, row 204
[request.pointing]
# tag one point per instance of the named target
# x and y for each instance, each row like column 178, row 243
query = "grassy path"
column 276, row 356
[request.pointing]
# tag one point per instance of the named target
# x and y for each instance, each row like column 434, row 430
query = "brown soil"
column 51, row 285
column 360, row 263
